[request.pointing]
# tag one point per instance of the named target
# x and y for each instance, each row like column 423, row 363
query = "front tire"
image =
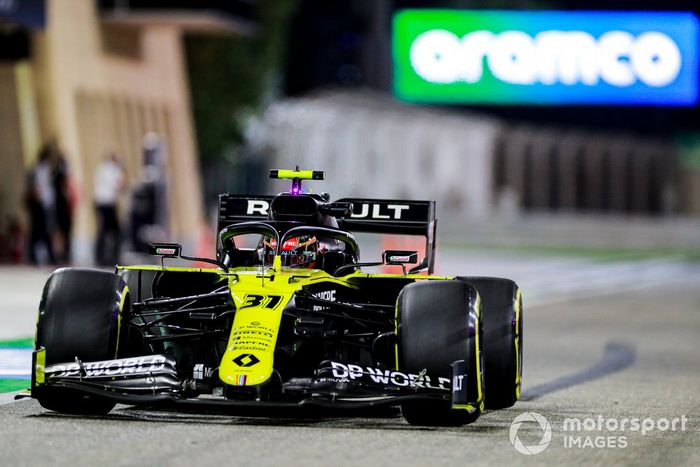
column 79, row 317
column 439, row 322
column 503, row 339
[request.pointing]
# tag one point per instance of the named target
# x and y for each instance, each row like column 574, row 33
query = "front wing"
column 153, row 379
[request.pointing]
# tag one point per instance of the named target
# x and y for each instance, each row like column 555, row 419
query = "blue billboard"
column 546, row 57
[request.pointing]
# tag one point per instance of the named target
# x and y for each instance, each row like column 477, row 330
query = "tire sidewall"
column 503, row 339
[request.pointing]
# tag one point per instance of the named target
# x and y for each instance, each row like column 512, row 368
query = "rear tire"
column 79, row 317
column 503, row 339
column 439, row 323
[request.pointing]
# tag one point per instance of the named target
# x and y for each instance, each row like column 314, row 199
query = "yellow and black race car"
column 286, row 319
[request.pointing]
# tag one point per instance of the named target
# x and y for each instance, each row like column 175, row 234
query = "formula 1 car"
column 286, row 317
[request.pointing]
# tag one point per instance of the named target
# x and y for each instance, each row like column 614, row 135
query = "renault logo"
column 246, row 359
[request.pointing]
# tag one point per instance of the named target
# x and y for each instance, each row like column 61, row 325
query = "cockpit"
column 299, row 246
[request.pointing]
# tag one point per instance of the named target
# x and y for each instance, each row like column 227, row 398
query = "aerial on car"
column 288, row 316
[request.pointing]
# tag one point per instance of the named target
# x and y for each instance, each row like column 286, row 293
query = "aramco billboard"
column 546, row 57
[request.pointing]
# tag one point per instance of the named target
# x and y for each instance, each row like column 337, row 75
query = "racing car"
column 287, row 316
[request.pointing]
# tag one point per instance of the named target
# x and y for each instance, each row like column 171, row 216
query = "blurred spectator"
column 65, row 204
column 149, row 205
column 41, row 203
column 109, row 182
column 143, row 210
column 16, row 241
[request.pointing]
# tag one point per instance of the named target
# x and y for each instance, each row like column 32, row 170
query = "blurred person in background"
column 109, row 183
column 41, row 204
column 149, row 203
column 16, row 240
column 65, row 204
column 143, row 210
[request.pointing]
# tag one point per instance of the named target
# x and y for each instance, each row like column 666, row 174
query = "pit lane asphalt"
column 625, row 355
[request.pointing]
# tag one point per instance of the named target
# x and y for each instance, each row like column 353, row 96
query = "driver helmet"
column 305, row 251
column 296, row 252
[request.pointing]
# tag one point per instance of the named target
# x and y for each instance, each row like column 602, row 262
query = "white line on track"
column 15, row 363
column 9, row 397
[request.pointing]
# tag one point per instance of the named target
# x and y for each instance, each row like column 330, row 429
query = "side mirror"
column 174, row 250
column 400, row 257
column 166, row 250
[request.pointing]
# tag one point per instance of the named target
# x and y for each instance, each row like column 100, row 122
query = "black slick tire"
column 79, row 317
column 502, row 316
column 438, row 323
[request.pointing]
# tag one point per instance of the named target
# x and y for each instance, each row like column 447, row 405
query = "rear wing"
column 400, row 217
column 382, row 216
